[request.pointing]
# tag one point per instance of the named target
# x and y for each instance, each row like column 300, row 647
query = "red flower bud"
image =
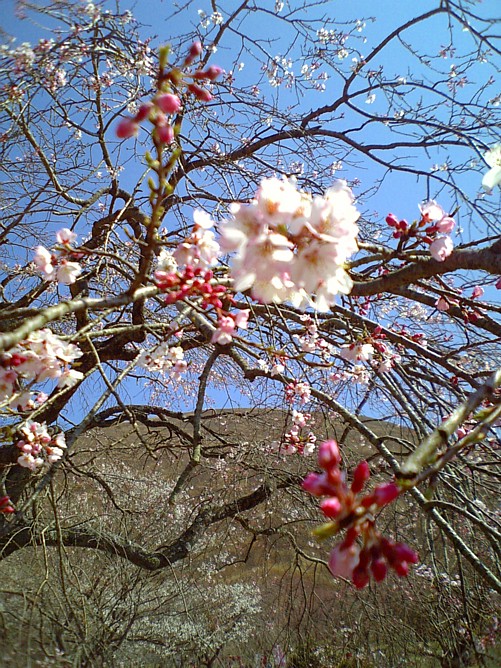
column 385, row 494
column 403, row 552
column 143, row 112
column 200, row 93
column 328, row 454
column 360, row 577
column 127, row 128
column 331, row 507
column 360, row 476
column 379, row 569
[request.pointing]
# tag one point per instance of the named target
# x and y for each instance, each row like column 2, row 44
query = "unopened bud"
column 165, row 134
column 143, row 112
column 194, row 52
column 331, row 507
column 168, row 103
column 328, row 454
column 127, row 128
column 200, row 93
column 360, row 476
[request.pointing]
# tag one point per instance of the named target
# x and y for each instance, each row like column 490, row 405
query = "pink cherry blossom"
column 65, row 236
column 356, row 352
column 224, row 332
column 43, row 262
column 445, row 225
column 431, row 210
column 67, row 272
column 441, row 248
column 343, row 560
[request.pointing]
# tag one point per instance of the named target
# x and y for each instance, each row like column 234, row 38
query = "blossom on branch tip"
column 291, row 246
column 364, row 551
column 441, row 248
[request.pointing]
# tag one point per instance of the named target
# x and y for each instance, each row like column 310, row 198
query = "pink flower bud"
column 328, row 454
column 213, row 72
column 200, row 93
column 343, row 561
column 143, row 112
column 385, row 494
column 360, row 476
column 194, row 52
column 315, row 484
column 127, row 128
column 477, row 292
column 331, row 507
column 391, row 220
column 169, row 104
column 165, row 134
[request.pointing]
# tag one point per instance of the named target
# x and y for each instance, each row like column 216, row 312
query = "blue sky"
column 399, row 193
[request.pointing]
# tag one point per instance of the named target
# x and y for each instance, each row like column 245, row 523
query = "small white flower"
column 493, row 176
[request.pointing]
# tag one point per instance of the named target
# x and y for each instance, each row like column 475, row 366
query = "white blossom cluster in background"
column 42, row 356
column 164, row 359
column 291, row 246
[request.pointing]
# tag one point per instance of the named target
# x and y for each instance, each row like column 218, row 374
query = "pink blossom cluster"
column 311, row 342
column 295, row 440
column 371, row 349
column 197, row 253
column 298, row 391
column 291, row 246
column 469, row 313
column 38, row 446
column 42, row 356
column 165, row 104
column 437, row 227
column 164, row 359
column 60, row 266
column 364, row 550
column 227, row 324
column 200, row 249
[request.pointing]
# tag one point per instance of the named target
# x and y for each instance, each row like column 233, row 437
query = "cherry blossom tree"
column 236, row 228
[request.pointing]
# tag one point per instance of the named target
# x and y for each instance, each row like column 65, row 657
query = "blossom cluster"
column 164, row 359
column 432, row 229
column 38, row 446
column 371, row 349
column 165, row 104
column 59, row 266
column 291, row 246
column 364, row 550
column 186, row 273
column 42, row 356
column 311, row 341
column 295, row 440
